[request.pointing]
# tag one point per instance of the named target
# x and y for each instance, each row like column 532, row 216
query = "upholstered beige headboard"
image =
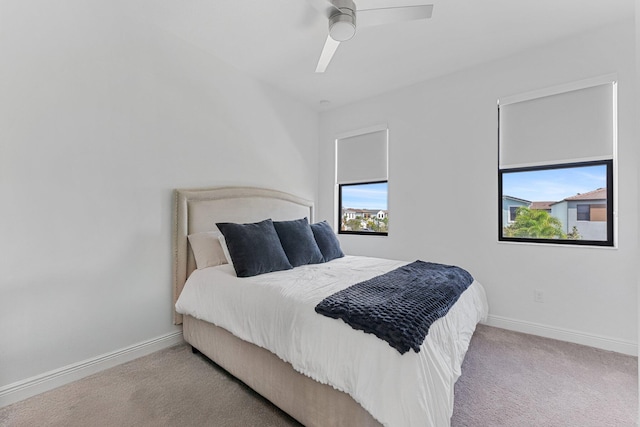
column 198, row 210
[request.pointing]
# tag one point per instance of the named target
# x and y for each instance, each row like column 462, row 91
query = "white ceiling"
column 279, row 41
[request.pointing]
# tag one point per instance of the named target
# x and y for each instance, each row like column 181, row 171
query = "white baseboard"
column 49, row 380
column 605, row 343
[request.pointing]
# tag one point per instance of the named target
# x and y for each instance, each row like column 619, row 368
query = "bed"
column 320, row 371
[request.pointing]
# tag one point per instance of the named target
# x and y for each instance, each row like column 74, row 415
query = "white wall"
column 637, row 114
column 443, row 190
column 101, row 117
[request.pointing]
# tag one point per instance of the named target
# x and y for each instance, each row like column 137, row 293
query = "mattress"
column 275, row 311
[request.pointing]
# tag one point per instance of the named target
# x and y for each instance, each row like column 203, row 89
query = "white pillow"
column 225, row 249
column 207, row 249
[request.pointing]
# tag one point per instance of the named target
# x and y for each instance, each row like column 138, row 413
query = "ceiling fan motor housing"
column 342, row 24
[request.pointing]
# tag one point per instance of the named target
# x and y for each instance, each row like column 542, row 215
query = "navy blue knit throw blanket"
column 399, row 306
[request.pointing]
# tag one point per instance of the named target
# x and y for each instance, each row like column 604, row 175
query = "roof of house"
column 599, row 194
column 516, row 199
column 369, row 211
column 541, row 205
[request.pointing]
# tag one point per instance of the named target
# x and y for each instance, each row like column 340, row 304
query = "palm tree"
column 534, row 223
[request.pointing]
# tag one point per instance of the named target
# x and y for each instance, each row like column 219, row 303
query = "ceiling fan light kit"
column 342, row 20
column 341, row 15
column 342, row 26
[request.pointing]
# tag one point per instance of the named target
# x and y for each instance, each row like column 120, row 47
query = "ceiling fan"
column 342, row 21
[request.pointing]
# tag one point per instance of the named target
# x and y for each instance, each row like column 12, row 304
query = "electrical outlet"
column 538, row 295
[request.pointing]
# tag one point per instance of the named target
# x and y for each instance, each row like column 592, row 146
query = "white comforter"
column 276, row 311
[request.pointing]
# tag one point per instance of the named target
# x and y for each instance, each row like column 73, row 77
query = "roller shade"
column 362, row 158
column 564, row 127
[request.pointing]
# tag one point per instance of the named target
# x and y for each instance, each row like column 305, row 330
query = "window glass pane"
column 583, row 212
column 512, row 213
column 363, row 208
column 558, row 203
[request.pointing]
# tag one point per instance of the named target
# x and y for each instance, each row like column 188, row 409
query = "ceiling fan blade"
column 330, row 46
column 324, row 6
column 391, row 15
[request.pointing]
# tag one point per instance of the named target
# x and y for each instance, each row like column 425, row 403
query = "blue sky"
column 365, row 196
column 554, row 184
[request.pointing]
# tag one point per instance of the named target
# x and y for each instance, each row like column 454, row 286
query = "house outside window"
column 510, row 207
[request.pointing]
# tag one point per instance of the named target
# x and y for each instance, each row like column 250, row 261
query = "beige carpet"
column 508, row 379
column 172, row 387
column 511, row 379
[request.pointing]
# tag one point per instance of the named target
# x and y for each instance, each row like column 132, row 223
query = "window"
column 363, row 208
column 579, row 197
column 512, row 213
column 583, row 212
column 361, row 181
column 556, row 165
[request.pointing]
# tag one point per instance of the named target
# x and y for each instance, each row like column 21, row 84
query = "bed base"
column 308, row 401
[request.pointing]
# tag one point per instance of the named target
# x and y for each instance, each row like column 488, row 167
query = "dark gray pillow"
column 326, row 240
column 298, row 242
column 254, row 248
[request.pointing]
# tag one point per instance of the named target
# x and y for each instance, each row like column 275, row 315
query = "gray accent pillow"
column 326, row 240
column 298, row 242
column 254, row 248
